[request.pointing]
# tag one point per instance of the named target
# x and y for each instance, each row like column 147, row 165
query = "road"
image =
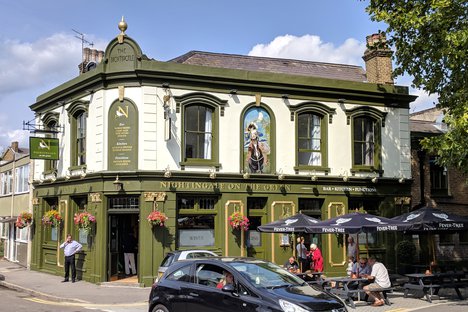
column 19, row 301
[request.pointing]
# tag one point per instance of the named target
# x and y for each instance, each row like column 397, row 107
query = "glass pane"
column 303, row 144
column 191, row 118
column 358, row 129
column 303, row 125
column 304, row 158
column 358, row 154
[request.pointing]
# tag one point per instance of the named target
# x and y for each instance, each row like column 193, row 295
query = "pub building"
column 205, row 135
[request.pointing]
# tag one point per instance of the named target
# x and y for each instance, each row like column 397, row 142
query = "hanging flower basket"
column 52, row 218
column 84, row 220
column 238, row 221
column 157, row 218
column 24, row 219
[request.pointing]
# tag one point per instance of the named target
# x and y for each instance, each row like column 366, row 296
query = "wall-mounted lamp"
column 83, row 173
column 375, row 180
column 212, row 174
column 341, row 101
column 118, row 185
column 166, row 85
column 233, row 91
column 345, row 178
column 246, row 175
column 401, row 180
column 314, row 178
column 285, row 96
column 167, row 172
column 53, row 177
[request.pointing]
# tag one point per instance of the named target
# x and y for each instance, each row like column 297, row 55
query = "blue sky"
column 38, row 49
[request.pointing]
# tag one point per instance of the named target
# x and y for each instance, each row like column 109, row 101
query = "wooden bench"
column 385, row 291
column 427, row 289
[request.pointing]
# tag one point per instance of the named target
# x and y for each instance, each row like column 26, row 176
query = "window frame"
column 217, row 106
column 22, row 178
column 326, row 117
column 51, row 122
column 76, row 111
column 442, row 175
column 378, row 119
column 7, row 182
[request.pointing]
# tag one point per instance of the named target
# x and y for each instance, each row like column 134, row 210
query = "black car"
column 258, row 285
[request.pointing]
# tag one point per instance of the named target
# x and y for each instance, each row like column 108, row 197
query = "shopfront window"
column 196, row 221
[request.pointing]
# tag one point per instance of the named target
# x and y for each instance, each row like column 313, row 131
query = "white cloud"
column 312, row 48
column 24, row 65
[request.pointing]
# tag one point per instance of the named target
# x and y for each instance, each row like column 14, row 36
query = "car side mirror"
column 229, row 288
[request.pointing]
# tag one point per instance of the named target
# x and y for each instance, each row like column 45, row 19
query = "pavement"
column 49, row 287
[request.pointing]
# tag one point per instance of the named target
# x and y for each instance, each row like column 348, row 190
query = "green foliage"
column 431, row 42
column 405, row 251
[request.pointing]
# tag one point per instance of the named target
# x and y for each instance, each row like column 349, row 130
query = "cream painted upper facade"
column 155, row 153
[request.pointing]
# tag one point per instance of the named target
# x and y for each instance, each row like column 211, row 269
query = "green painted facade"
column 232, row 193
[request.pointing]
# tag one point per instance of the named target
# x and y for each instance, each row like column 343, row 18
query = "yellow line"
column 79, row 304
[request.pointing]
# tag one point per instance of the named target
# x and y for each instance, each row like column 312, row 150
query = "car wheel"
column 160, row 308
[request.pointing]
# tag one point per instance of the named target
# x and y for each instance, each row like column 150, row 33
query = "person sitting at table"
column 379, row 279
column 315, row 256
column 361, row 268
column 292, row 266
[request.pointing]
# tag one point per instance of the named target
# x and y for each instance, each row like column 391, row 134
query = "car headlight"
column 290, row 307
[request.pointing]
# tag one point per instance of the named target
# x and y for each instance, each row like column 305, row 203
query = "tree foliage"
column 431, row 42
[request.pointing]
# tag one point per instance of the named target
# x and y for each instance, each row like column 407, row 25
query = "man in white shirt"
column 71, row 247
column 380, row 279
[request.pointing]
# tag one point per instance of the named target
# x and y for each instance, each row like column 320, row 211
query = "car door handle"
column 193, row 294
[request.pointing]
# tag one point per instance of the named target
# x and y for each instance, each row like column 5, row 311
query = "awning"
column 7, row 219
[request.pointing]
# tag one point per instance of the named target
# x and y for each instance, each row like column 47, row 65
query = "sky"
column 39, row 48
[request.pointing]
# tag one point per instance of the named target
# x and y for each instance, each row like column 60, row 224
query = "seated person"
column 292, row 266
column 380, row 279
column 228, row 279
column 361, row 268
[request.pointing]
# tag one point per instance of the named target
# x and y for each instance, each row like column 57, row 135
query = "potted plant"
column 238, row 221
column 52, row 218
column 84, row 220
column 405, row 252
column 24, row 219
column 157, row 218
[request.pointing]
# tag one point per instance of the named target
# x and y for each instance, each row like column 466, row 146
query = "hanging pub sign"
column 44, row 148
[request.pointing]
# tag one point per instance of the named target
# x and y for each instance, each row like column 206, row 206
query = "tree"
column 431, row 42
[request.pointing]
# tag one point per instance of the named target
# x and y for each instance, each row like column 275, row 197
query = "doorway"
column 123, row 221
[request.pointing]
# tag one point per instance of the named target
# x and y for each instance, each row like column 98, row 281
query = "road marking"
column 79, row 304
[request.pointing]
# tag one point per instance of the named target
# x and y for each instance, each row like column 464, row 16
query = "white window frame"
column 7, row 180
column 22, row 235
column 22, row 179
column 4, row 229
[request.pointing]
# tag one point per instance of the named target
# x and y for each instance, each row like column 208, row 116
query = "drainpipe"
column 422, row 176
column 13, row 181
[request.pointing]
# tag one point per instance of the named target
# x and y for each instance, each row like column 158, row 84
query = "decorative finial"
column 123, row 28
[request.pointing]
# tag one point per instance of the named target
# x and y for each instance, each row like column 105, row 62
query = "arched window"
column 200, row 119
column 78, row 115
column 366, row 123
column 309, row 140
column 198, row 132
column 257, row 140
column 51, row 124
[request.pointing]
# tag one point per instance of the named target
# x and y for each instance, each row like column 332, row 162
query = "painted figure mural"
column 256, row 141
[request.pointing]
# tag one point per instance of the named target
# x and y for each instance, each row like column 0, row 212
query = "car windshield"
column 267, row 275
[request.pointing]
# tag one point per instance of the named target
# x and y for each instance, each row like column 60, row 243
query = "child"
column 349, row 269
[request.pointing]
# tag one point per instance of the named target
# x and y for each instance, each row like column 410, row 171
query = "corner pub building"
column 204, row 135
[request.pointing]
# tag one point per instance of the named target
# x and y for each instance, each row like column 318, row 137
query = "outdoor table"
column 430, row 284
column 340, row 286
column 312, row 277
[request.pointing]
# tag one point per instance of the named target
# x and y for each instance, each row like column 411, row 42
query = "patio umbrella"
column 355, row 223
column 432, row 221
column 297, row 223
column 291, row 225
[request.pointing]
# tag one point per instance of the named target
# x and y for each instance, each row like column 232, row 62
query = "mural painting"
column 257, row 136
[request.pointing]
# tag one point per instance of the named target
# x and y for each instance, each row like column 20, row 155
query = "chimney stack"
column 14, row 146
column 378, row 58
column 90, row 56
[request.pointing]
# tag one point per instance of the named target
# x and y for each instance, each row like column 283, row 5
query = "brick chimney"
column 90, row 57
column 378, row 58
column 14, row 146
